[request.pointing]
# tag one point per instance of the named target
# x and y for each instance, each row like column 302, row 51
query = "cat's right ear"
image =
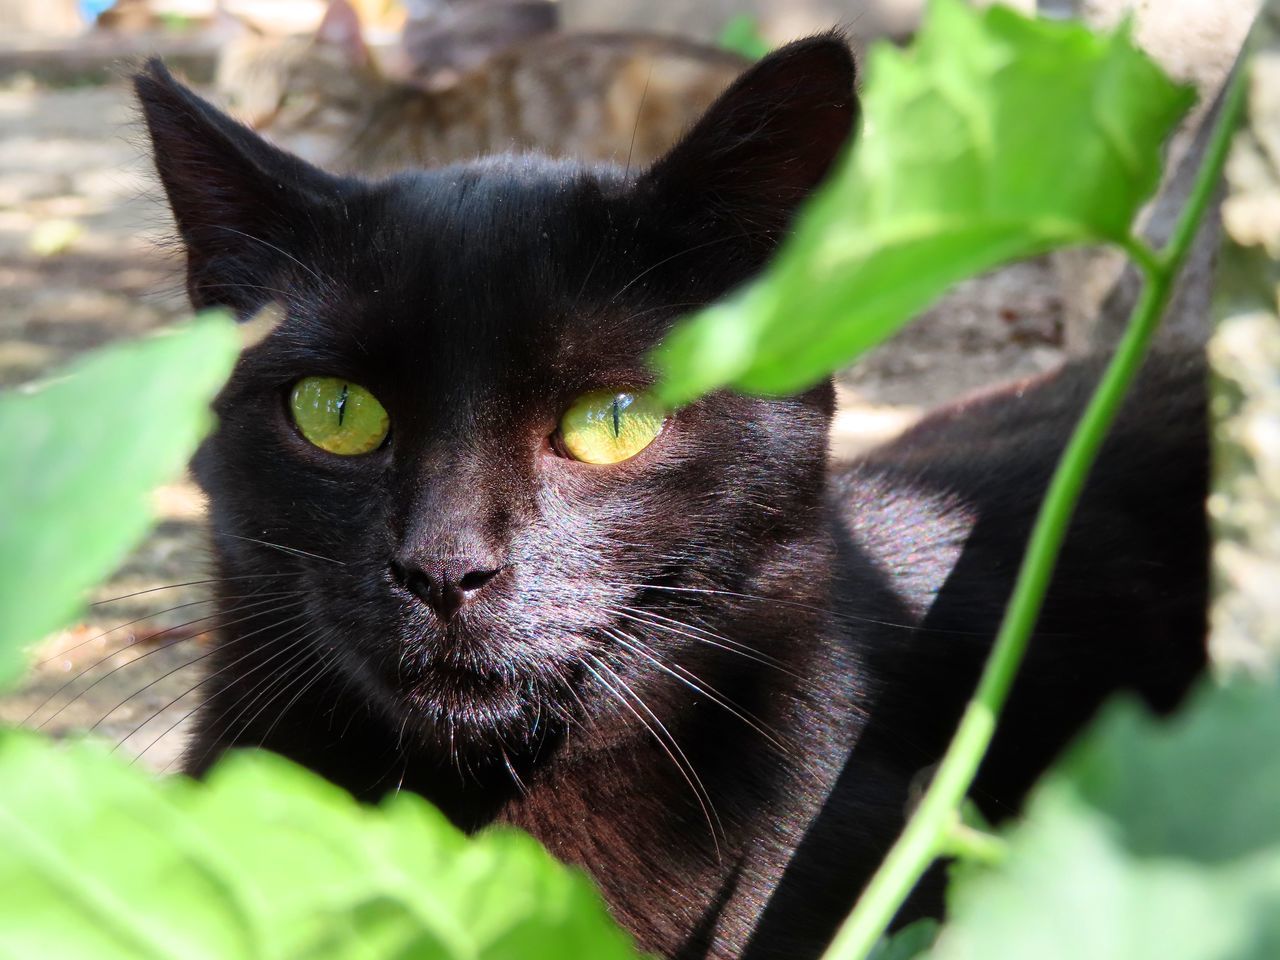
column 765, row 143
column 235, row 198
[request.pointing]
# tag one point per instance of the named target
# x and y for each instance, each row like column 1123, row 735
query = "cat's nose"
column 446, row 585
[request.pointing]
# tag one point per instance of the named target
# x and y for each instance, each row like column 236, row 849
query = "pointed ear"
column 766, row 142
column 237, row 200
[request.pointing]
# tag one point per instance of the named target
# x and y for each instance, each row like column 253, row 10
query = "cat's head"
column 411, row 446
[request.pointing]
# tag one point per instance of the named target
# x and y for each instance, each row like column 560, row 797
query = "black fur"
column 834, row 621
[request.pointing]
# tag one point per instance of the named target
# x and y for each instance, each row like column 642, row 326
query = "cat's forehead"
column 500, row 205
column 510, row 270
column 511, row 246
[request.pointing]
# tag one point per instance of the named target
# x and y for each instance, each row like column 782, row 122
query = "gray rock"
column 1245, row 356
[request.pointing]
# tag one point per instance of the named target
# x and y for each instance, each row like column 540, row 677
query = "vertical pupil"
column 342, row 404
column 617, row 419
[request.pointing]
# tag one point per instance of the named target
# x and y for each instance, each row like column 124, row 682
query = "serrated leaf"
column 266, row 861
column 994, row 138
column 82, row 452
column 1152, row 841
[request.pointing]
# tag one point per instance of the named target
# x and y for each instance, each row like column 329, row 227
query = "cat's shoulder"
column 1020, row 428
column 914, row 503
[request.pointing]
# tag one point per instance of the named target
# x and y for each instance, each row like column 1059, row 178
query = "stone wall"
column 1245, row 355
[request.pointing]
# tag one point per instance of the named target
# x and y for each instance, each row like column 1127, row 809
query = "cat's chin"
column 462, row 711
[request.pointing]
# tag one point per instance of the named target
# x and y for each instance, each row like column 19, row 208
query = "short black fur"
column 708, row 674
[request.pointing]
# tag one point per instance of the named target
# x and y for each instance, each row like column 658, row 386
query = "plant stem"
column 923, row 839
column 966, row 843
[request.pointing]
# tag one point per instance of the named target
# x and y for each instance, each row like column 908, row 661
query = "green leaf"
column 1204, row 786
column 994, row 138
column 741, row 35
column 82, row 453
column 1153, row 839
column 266, row 861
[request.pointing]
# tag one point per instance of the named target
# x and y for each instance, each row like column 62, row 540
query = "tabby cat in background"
column 624, row 97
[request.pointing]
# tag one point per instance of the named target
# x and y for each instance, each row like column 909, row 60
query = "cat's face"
column 469, row 568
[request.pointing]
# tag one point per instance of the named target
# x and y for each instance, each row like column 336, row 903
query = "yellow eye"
column 338, row 416
column 607, row 426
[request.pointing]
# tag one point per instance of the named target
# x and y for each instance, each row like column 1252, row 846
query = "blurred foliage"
column 83, row 453
column 1152, row 840
column 742, row 36
column 266, row 862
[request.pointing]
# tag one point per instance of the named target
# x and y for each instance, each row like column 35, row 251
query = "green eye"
column 338, row 416
column 606, row 426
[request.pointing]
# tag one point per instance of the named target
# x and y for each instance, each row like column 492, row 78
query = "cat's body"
column 708, row 673
column 592, row 96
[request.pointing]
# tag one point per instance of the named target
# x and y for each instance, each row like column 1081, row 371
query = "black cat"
column 680, row 651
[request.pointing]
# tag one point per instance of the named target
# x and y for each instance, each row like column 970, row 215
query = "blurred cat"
column 445, row 38
column 623, row 97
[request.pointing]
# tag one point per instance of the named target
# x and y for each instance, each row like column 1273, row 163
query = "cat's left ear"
column 237, row 200
column 766, row 143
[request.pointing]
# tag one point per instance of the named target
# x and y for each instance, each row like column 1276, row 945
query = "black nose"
column 446, row 585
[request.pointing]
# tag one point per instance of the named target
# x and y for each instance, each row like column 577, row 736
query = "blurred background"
column 368, row 86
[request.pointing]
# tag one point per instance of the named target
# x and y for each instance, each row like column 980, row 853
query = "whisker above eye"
column 658, row 309
column 635, row 128
column 272, row 246
column 587, row 278
column 285, row 295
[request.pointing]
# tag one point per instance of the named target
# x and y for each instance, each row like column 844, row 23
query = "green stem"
column 1140, row 252
column 965, row 843
column 923, row 838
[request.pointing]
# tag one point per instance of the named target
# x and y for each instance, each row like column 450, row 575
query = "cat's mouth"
column 460, row 702
column 459, row 688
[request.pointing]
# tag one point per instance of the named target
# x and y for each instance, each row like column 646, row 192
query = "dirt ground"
column 82, row 264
